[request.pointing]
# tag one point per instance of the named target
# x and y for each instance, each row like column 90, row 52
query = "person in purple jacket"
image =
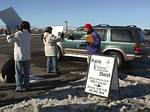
column 93, row 41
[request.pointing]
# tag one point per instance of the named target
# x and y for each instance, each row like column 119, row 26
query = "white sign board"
column 57, row 29
column 101, row 71
column 11, row 19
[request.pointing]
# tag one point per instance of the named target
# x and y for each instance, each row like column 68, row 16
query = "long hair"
column 25, row 25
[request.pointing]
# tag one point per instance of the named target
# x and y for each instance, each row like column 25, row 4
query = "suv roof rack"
column 131, row 26
column 100, row 25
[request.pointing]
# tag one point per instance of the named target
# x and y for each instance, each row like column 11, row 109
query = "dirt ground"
column 67, row 66
column 71, row 69
column 46, row 82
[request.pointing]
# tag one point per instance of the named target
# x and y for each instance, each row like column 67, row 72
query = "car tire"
column 119, row 57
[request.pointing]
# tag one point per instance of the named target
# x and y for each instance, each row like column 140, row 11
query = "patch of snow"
column 134, row 96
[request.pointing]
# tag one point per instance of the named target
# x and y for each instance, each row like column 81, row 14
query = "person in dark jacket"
column 93, row 41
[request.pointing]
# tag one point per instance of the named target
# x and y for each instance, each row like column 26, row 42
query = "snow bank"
column 134, row 96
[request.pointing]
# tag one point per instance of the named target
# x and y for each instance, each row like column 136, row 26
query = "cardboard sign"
column 11, row 19
column 102, row 75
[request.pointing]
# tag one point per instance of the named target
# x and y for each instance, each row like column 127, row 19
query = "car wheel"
column 119, row 57
column 59, row 53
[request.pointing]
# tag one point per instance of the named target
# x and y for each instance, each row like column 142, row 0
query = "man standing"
column 93, row 41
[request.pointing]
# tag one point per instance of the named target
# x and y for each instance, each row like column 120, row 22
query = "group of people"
column 22, row 51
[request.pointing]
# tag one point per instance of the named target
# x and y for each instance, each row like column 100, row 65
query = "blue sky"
column 43, row 13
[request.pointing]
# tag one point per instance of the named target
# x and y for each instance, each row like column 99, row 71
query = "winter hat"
column 88, row 26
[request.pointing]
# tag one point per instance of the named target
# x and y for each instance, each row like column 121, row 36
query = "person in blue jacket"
column 93, row 41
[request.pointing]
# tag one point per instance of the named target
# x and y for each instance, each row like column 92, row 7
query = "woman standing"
column 50, row 48
column 22, row 56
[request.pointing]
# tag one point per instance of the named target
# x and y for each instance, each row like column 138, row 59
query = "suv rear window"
column 139, row 36
column 121, row 35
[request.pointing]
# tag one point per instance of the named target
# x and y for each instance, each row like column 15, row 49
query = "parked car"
column 124, row 42
column 147, row 34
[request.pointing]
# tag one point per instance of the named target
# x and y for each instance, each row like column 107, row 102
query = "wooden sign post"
column 102, row 76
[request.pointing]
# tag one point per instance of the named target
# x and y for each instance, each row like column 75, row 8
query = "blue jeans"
column 51, row 64
column 22, row 69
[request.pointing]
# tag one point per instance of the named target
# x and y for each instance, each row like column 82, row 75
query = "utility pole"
column 66, row 22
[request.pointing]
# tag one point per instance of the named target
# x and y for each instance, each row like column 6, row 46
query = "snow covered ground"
column 134, row 97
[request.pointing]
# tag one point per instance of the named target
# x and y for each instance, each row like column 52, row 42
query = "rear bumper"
column 137, row 57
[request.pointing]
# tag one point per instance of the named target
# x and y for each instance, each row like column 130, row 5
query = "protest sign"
column 102, row 75
column 11, row 19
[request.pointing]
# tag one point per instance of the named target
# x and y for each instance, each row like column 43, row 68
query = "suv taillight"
column 137, row 49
